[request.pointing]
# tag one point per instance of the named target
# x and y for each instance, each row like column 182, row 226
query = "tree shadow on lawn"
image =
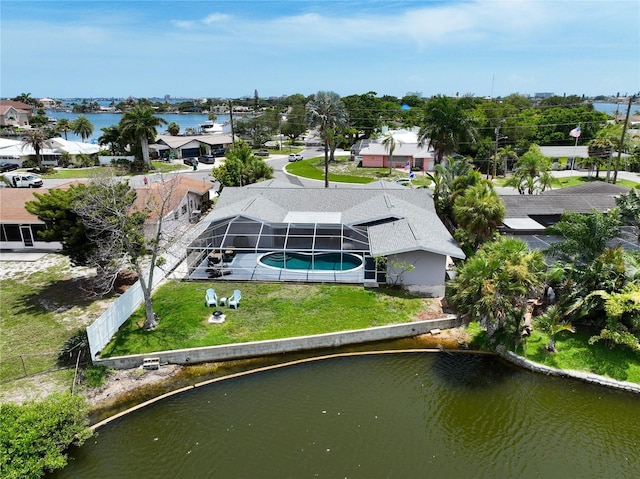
column 58, row 297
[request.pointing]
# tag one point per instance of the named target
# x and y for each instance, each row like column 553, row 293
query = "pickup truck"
column 25, row 180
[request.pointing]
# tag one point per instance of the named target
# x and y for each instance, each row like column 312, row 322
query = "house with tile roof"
column 276, row 231
column 14, row 113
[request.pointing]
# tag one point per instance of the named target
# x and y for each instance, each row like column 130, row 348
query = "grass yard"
column 575, row 352
column 92, row 172
column 41, row 310
column 267, row 311
column 345, row 171
column 578, row 179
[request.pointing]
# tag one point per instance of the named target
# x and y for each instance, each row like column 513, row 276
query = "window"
column 184, row 209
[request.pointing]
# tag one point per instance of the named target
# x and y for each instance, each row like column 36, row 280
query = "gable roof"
column 179, row 141
column 6, row 105
column 405, row 218
column 178, row 186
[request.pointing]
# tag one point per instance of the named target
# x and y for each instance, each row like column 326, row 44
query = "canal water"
column 398, row 415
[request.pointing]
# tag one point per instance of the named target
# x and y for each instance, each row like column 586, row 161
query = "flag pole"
column 575, row 152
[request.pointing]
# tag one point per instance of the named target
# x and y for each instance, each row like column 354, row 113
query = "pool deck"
column 245, row 267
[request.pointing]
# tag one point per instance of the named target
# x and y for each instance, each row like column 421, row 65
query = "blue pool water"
column 312, row 262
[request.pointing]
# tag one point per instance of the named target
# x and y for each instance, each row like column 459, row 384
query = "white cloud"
column 215, row 18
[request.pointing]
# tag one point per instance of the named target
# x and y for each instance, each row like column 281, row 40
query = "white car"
column 26, row 180
column 403, row 181
column 295, row 157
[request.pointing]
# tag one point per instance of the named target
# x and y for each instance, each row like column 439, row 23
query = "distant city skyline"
column 198, row 49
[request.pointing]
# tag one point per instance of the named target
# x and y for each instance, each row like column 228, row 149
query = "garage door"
column 190, row 152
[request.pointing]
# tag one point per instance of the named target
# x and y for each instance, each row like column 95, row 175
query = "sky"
column 232, row 48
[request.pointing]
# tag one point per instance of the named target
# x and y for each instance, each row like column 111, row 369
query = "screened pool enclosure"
column 241, row 248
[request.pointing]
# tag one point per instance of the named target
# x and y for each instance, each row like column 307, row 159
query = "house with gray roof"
column 185, row 146
column 528, row 216
column 276, row 231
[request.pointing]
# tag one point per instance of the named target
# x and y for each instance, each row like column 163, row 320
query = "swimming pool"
column 311, row 261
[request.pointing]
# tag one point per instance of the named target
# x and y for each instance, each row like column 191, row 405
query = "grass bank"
column 575, row 352
column 267, row 311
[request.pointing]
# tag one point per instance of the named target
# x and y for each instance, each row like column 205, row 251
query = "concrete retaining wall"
column 266, row 348
column 566, row 373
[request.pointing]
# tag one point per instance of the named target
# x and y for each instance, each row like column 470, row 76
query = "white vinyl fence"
column 102, row 329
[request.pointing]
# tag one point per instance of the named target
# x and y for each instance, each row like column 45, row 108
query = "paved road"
column 279, row 163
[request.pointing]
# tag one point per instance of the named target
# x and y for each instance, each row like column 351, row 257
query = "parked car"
column 295, row 157
column 5, row 166
column 26, row 180
column 403, row 181
column 261, row 153
column 207, row 159
column 219, row 151
column 190, row 161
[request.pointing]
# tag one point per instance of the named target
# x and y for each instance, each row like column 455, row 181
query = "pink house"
column 376, row 156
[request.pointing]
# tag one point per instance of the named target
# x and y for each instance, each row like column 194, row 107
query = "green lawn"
column 70, row 173
column 343, row 170
column 42, row 310
column 267, row 311
column 575, row 352
column 577, row 179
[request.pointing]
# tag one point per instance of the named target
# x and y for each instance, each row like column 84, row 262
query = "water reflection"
column 391, row 415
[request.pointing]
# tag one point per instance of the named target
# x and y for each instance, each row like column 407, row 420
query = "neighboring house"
column 358, row 146
column 275, row 231
column 14, row 151
column 564, row 157
column 407, row 151
column 19, row 228
column 189, row 146
column 15, row 113
column 188, row 197
column 527, row 216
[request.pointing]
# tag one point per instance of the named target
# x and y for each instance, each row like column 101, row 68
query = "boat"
column 211, row 127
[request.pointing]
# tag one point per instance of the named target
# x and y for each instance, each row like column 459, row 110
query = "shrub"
column 34, row 436
column 95, row 376
column 77, row 344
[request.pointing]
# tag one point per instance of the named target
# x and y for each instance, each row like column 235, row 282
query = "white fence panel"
column 102, row 329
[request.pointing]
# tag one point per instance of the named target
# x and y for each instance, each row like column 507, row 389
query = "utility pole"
column 495, row 154
column 624, row 130
column 233, row 135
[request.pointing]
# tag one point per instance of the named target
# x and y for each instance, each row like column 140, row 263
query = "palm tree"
column 82, row 126
column 479, row 211
column 139, row 124
column 111, row 137
column 390, row 142
column 444, row 176
column 532, row 173
column 63, row 125
column 173, row 128
column 495, row 283
column 444, row 125
column 553, row 322
column 327, row 113
column 38, row 140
